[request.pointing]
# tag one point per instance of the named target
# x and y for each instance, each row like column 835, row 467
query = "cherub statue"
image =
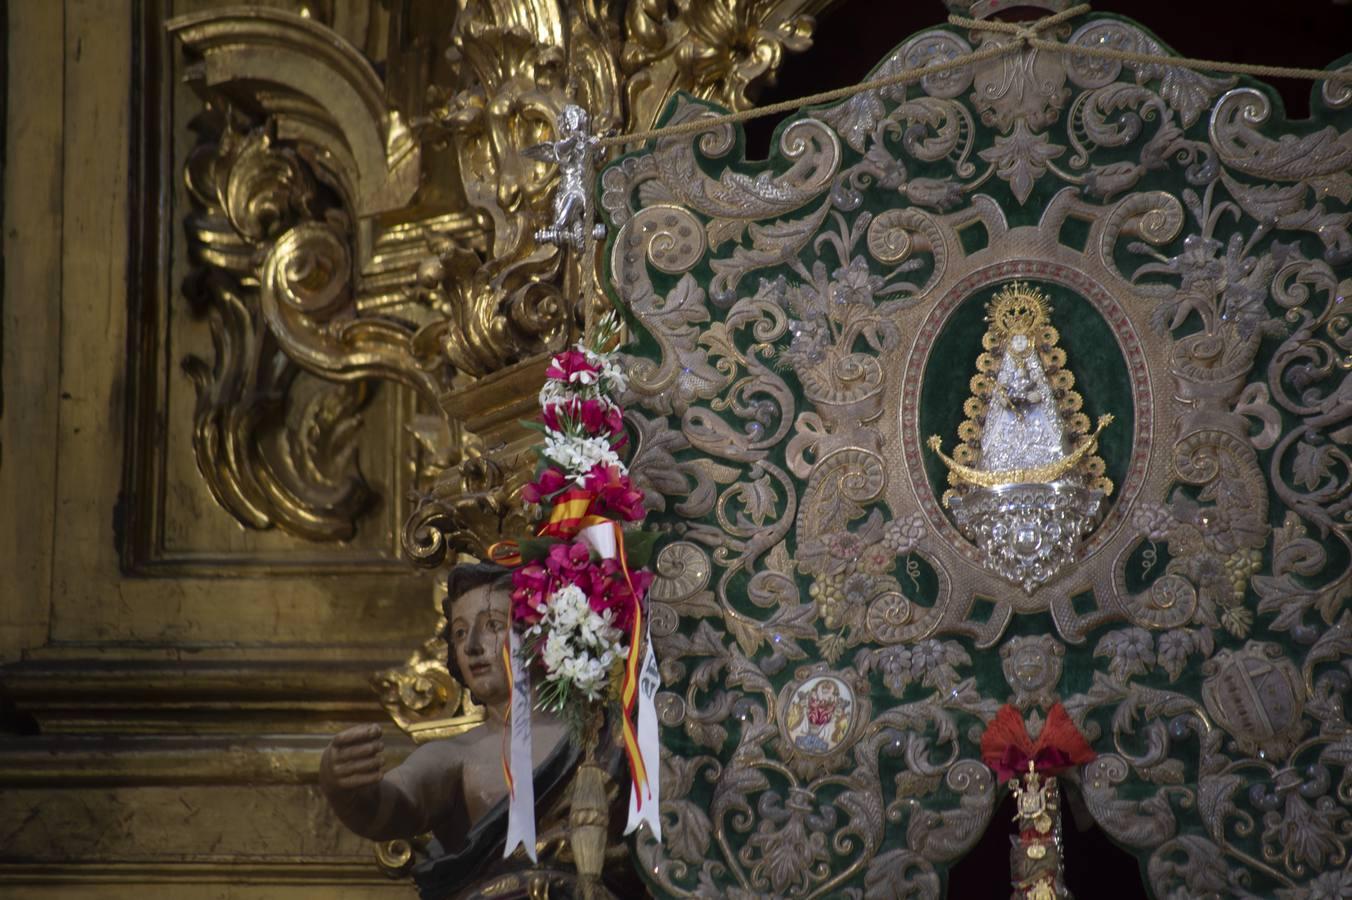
column 575, row 152
column 453, row 788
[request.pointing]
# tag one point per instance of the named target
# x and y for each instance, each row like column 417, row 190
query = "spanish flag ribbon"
column 571, row 514
column 506, row 759
column 505, row 553
column 629, row 691
column 607, row 539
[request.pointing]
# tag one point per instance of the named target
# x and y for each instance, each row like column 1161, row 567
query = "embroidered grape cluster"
column 829, row 593
column 1240, row 566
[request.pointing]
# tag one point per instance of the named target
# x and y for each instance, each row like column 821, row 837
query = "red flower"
column 596, row 418
column 550, row 416
column 612, row 592
column 1007, row 748
column 615, row 493
column 612, row 419
column 572, row 367
column 568, row 563
column 546, row 484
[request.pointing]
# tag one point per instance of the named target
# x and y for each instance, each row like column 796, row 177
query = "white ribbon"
column 602, row 539
column 649, row 680
column 521, row 769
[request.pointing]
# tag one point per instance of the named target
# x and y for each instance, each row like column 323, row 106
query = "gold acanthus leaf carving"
column 316, row 195
column 715, row 51
column 493, row 312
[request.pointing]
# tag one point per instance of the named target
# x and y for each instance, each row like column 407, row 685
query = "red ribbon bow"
column 1007, row 748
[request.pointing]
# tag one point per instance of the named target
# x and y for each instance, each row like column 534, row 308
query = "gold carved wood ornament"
column 371, row 231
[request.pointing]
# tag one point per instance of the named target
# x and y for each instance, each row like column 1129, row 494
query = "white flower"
column 583, row 377
column 613, row 376
column 578, row 455
column 554, row 392
column 581, row 646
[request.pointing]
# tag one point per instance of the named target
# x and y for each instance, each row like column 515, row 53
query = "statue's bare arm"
column 409, row 800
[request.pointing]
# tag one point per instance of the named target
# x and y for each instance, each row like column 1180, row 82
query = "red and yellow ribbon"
column 570, row 514
column 629, row 691
column 506, row 732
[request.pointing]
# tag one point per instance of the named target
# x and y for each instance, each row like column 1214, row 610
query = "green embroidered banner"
column 839, row 612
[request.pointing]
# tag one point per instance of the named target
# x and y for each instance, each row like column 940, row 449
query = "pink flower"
column 615, row 493
column 572, row 367
column 613, row 593
column 613, row 420
column 600, row 417
column 531, row 584
column 552, row 416
column 546, row 484
column 596, row 418
column 568, row 562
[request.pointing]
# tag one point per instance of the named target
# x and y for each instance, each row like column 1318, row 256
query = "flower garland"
column 579, row 585
column 578, row 593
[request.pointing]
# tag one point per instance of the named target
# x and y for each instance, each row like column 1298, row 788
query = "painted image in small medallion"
column 820, row 714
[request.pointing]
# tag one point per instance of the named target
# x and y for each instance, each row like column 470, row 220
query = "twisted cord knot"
column 1026, row 34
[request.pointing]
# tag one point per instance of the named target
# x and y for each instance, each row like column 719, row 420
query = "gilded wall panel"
column 153, row 512
column 132, row 605
column 316, row 473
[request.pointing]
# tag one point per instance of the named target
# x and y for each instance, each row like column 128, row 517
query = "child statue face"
column 478, row 629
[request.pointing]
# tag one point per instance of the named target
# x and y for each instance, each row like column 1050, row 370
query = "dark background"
column 853, row 38
column 850, row 40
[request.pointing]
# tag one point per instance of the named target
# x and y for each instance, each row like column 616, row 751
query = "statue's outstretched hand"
column 353, row 760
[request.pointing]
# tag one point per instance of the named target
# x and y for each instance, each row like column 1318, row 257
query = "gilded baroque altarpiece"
column 360, row 314
column 270, row 285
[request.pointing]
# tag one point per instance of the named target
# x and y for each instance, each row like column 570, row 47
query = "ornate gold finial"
column 1019, row 309
column 1035, row 799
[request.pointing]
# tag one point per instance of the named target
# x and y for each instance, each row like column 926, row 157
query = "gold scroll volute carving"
column 364, row 230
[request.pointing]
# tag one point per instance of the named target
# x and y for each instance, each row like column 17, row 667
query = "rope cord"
column 1026, row 34
column 706, row 123
column 1188, row 62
